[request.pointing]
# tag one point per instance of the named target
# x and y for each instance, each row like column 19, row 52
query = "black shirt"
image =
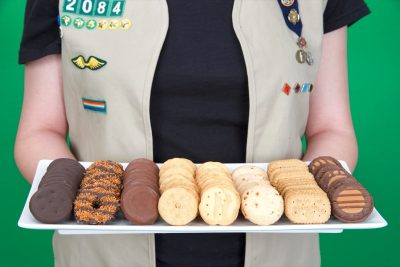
column 199, row 100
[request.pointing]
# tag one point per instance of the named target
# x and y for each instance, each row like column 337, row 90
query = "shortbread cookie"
column 219, row 205
column 178, row 206
column 177, row 183
column 220, row 202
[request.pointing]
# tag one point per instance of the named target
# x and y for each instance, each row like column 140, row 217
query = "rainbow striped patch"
column 94, row 105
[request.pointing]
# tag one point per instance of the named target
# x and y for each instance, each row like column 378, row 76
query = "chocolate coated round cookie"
column 51, row 205
column 53, row 201
column 139, row 205
column 140, row 195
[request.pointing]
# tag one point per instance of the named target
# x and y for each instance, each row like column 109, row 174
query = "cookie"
column 178, row 206
column 177, row 177
column 331, row 176
column 139, row 205
column 51, row 205
column 178, row 163
column 98, row 199
column 325, row 168
column 319, row 162
column 53, row 201
column 219, row 205
column 351, row 202
column 307, row 207
column 140, row 195
column 305, row 202
column 219, row 201
column 262, row 205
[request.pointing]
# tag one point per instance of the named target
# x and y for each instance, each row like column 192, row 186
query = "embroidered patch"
column 114, row 24
column 94, row 105
column 297, row 88
column 97, row 8
column 304, row 88
column 93, row 63
column 79, row 23
column 91, row 24
column 126, row 24
column 66, row 20
column 286, row 88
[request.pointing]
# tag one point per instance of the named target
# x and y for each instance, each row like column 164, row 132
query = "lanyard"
column 291, row 15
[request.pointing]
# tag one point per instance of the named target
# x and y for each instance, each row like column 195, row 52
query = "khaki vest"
column 276, row 121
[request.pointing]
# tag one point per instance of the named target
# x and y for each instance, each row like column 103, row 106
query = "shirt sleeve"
column 41, row 35
column 339, row 13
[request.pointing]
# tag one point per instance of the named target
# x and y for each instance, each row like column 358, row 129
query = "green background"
column 375, row 94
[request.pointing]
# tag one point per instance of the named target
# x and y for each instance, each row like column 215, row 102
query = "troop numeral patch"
column 97, row 8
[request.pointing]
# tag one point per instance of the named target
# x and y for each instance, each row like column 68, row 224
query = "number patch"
column 97, row 8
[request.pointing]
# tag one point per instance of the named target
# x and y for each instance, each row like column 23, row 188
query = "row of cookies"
column 180, row 198
column 350, row 201
column 305, row 202
column 220, row 202
column 180, row 191
column 260, row 202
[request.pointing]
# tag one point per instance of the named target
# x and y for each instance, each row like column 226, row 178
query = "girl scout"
column 110, row 51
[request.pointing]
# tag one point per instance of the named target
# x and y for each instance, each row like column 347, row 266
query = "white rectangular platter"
column 122, row 226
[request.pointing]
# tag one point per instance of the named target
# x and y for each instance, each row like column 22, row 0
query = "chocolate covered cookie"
column 350, row 201
column 53, row 201
column 140, row 195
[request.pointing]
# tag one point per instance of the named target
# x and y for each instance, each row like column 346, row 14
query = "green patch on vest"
column 95, row 8
column 93, row 63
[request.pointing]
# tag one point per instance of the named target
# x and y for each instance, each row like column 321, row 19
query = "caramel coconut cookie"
column 98, row 199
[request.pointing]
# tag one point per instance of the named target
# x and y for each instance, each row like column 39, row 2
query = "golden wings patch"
column 93, row 63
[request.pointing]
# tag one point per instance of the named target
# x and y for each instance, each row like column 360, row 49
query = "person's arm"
column 330, row 129
column 43, row 125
